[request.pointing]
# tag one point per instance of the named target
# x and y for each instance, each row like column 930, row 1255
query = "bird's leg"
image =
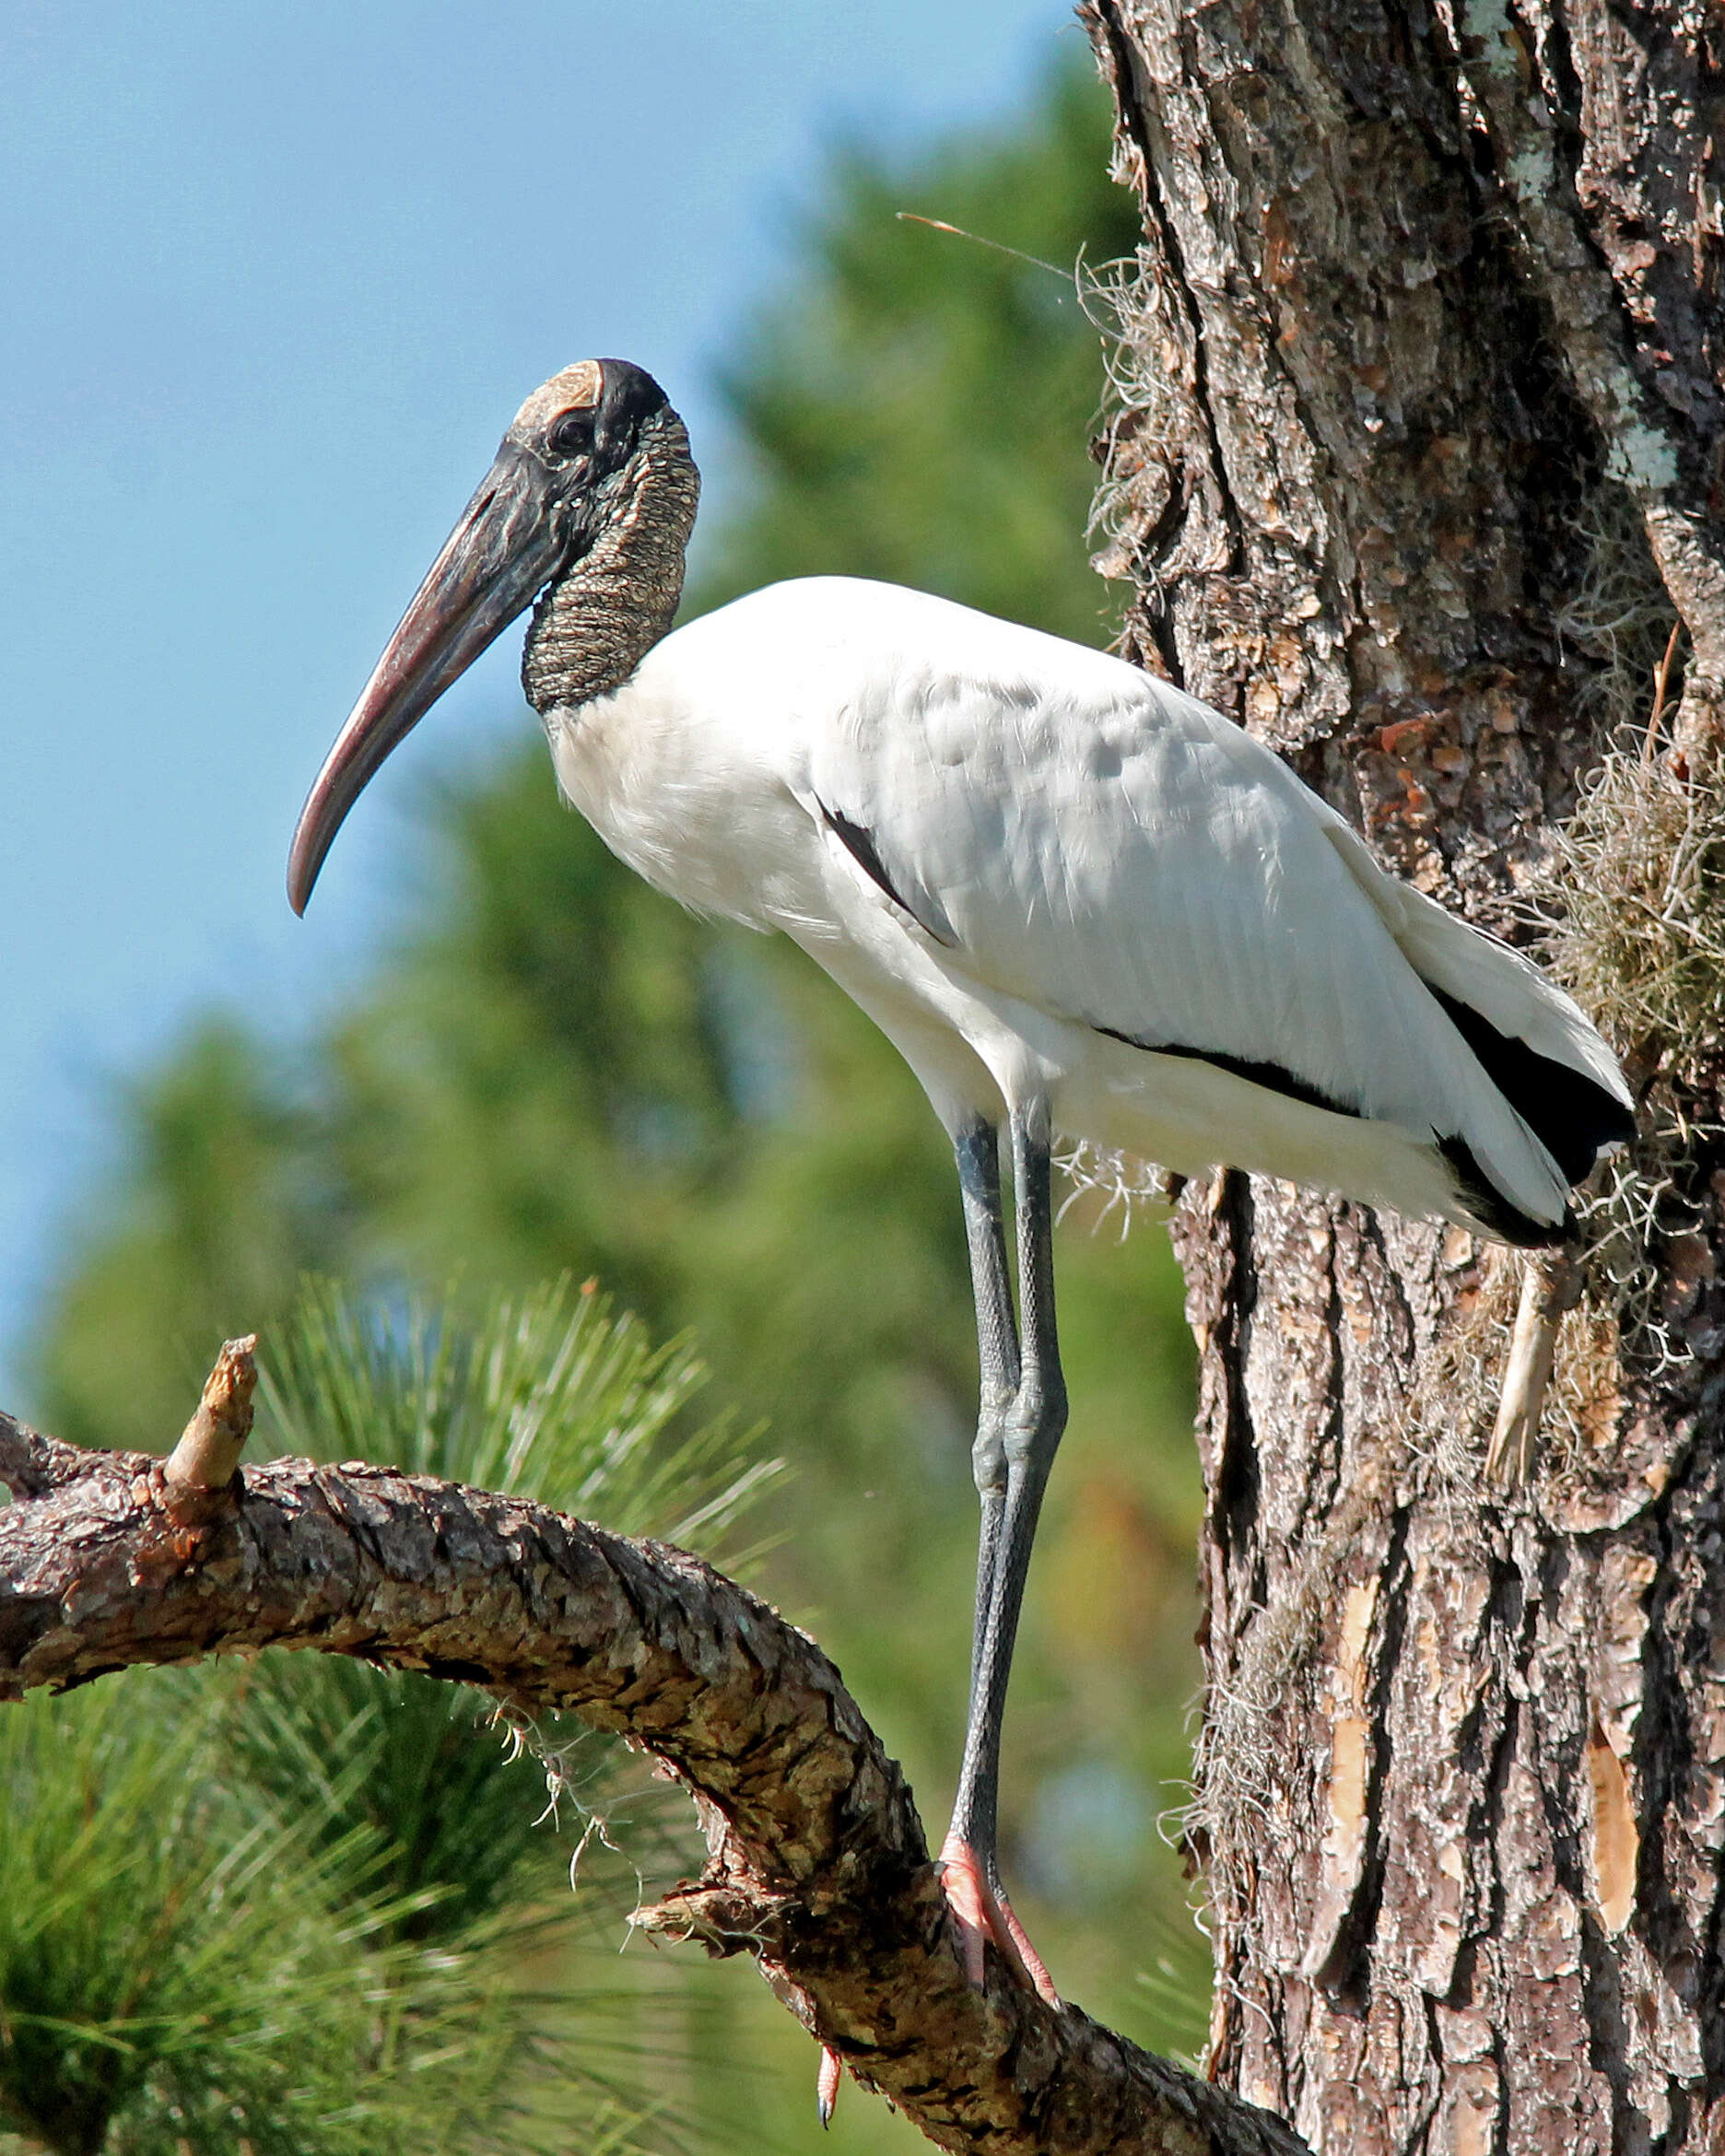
column 1019, row 1447
column 977, row 1151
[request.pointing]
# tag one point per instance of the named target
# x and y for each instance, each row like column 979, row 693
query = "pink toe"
column 827, row 2084
column 979, row 1913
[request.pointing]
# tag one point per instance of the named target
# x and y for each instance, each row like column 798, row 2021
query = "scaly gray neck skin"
column 593, row 628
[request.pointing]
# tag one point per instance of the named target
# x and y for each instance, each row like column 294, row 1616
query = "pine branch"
column 818, row 1865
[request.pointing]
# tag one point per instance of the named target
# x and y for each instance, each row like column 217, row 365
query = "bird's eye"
column 573, row 436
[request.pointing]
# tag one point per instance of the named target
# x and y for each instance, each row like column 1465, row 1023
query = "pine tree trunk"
column 1417, row 465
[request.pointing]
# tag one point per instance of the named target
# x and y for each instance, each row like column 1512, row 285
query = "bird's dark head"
column 574, row 448
column 571, row 470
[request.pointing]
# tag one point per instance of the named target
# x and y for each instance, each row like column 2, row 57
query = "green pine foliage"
column 182, row 1970
column 548, row 1396
column 295, row 1906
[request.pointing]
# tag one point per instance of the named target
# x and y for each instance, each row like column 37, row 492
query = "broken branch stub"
column 1551, row 1287
column 201, row 1469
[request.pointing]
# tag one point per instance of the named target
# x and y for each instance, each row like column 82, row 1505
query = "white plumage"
column 1079, row 852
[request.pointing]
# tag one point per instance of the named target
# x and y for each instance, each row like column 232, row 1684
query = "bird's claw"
column 982, row 1912
column 827, row 2084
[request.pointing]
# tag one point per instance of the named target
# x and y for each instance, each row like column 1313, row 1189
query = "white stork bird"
column 1075, row 900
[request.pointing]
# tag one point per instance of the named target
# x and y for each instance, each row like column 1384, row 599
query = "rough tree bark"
column 1426, row 343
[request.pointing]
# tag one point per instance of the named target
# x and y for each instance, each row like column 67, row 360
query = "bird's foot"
column 827, row 2084
column 984, row 1913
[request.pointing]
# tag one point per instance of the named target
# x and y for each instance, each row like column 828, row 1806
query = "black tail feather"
column 1572, row 1115
column 1493, row 1210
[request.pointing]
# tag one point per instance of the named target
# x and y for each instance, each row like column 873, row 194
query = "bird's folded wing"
column 1505, row 989
column 1119, row 854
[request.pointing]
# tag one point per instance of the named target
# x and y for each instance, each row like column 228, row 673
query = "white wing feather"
column 1069, row 833
column 1093, row 841
column 1499, row 983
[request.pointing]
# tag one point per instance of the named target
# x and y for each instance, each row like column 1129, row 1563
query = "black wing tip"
column 1621, row 1128
column 1487, row 1205
column 1573, row 1116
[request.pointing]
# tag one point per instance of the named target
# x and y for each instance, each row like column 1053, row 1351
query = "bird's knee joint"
column 1021, row 1447
column 987, row 1460
column 997, row 1400
column 1036, row 1426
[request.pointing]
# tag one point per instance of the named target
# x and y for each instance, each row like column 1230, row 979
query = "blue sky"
column 275, row 278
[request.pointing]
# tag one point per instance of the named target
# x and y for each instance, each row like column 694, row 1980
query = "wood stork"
column 1077, row 901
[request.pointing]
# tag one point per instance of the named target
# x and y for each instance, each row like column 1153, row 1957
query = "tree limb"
column 817, row 1865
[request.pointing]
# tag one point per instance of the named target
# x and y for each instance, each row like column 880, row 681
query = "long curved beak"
column 509, row 545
